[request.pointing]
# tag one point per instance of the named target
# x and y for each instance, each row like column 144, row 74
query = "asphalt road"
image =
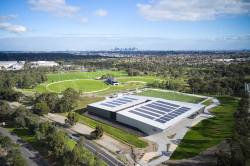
column 31, row 155
column 92, row 147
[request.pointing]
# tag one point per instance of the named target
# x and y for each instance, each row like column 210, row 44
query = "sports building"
column 150, row 115
column 112, row 81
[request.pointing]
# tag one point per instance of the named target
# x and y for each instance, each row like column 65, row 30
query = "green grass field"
column 141, row 79
column 208, row 132
column 84, row 85
column 207, row 103
column 82, row 75
column 170, row 96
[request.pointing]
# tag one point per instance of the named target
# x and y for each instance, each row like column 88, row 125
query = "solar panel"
column 174, row 105
column 140, row 114
column 113, row 103
column 165, row 119
column 124, row 100
column 173, row 115
column 180, row 112
column 150, row 109
column 158, row 108
column 171, row 108
column 161, row 121
column 130, row 98
column 117, row 101
column 147, row 112
column 107, row 105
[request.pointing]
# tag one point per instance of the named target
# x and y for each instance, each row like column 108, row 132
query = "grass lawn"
column 142, row 79
column 208, row 132
column 207, row 103
column 117, row 133
column 170, row 96
column 84, row 85
column 82, row 75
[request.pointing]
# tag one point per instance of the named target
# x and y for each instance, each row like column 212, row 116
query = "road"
column 92, row 147
column 31, row 155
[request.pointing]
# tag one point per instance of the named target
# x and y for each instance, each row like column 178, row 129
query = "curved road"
column 31, row 155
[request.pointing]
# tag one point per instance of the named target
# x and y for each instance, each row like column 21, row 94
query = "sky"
column 60, row 25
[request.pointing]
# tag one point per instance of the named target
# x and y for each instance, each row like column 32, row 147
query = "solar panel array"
column 119, row 102
column 160, row 111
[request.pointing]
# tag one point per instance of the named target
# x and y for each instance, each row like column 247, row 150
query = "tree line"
column 14, row 155
column 239, row 142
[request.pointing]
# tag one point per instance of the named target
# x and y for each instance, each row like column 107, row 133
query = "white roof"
column 8, row 62
column 154, row 109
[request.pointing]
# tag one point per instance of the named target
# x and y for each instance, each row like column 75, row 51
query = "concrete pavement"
column 31, row 155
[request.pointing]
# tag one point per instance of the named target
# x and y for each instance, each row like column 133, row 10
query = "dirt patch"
column 210, row 111
column 211, row 101
column 205, row 158
column 138, row 152
column 137, row 81
column 149, row 156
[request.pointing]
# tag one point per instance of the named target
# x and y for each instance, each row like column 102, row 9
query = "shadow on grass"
column 208, row 132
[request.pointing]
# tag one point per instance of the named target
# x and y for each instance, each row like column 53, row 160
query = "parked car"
column 70, row 137
column 119, row 151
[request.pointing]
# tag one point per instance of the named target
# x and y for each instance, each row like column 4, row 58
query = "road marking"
column 15, row 140
column 100, row 153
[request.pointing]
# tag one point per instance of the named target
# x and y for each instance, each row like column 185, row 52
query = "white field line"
column 73, row 80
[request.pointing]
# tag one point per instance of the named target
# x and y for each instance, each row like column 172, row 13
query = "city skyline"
column 49, row 25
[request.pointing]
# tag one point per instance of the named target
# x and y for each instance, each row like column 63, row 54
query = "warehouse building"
column 148, row 114
column 43, row 63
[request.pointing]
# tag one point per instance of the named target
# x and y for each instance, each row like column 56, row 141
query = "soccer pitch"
column 170, row 96
column 138, row 79
column 82, row 75
column 84, row 85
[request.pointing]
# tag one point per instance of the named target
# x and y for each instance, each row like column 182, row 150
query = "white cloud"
column 221, row 32
column 4, row 18
column 17, row 29
column 84, row 20
column 228, row 38
column 192, row 10
column 57, row 8
column 100, row 13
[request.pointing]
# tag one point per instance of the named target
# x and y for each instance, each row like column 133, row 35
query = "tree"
column 41, row 108
column 15, row 158
column 98, row 133
column 69, row 100
column 98, row 158
column 72, row 118
column 4, row 107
